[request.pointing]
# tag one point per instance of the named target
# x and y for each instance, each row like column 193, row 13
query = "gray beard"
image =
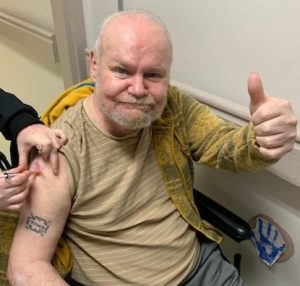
column 142, row 121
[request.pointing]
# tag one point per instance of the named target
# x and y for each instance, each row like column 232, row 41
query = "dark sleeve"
column 15, row 115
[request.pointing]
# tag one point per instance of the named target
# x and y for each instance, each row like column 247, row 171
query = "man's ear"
column 93, row 65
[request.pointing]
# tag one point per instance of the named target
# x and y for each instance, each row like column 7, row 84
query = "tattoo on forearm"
column 37, row 224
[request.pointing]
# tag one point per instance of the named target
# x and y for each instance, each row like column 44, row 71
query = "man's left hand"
column 275, row 123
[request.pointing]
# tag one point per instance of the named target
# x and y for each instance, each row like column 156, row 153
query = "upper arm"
column 43, row 216
column 220, row 144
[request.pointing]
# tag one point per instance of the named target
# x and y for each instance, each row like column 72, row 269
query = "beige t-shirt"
column 123, row 228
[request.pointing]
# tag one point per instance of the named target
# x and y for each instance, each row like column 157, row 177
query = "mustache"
column 138, row 101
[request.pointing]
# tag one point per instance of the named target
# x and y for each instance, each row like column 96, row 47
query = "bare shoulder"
column 47, row 188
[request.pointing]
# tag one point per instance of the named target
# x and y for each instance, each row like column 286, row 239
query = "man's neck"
column 103, row 122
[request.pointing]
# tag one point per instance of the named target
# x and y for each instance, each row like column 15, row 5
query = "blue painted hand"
column 268, row 241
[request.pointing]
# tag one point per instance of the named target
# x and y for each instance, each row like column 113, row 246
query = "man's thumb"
column 256, row 92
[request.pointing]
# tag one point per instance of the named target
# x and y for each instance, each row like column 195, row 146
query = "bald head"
column 131, row 69
column 133, row 25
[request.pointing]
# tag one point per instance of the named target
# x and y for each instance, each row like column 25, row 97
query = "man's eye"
column 153, row 75
column 121, row 71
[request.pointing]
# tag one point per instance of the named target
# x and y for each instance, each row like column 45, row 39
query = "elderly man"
column 123, row 195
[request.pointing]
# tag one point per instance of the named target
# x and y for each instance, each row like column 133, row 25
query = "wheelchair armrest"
column 221, row 218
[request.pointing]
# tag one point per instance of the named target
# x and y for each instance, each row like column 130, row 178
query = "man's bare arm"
column 41, row 223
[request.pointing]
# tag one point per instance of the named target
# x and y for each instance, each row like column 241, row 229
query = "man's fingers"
column 256, row 92
column 274, row 126
column 274, row 153
column 271, row 141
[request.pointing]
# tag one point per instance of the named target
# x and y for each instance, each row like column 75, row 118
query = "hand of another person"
column 13, row 188
column 46, row 140
column 275, row 123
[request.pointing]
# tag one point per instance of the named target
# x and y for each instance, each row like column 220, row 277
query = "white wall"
column 94, row 13
column 218, row 43
column 249, row 195
column 34, row 79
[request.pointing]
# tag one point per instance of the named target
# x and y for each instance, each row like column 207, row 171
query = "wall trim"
column 287, row 168
column 70, row 34
column 30, row 36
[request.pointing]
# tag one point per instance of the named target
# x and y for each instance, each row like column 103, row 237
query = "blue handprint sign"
column 268, row 240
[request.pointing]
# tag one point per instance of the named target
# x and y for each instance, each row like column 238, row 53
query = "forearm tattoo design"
column 37, row 224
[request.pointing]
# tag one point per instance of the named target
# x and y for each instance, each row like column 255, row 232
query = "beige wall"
column 33, row 78
column 37, row 12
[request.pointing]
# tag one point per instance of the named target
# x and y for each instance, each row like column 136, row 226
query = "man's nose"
column 137, row 86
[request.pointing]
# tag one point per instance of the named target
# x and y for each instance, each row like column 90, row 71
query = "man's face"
column 132, row 75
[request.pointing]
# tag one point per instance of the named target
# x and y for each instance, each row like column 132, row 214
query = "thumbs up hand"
column 275, row 124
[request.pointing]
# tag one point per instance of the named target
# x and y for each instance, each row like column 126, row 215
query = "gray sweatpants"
column 212, row 269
